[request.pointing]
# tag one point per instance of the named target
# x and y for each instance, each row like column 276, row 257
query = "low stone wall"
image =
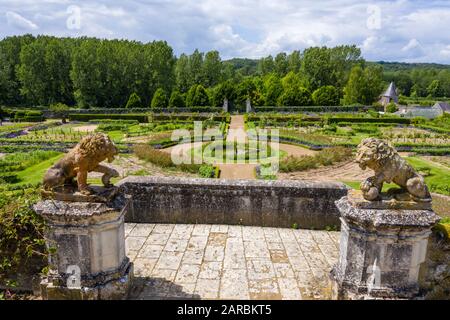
column 247, row 202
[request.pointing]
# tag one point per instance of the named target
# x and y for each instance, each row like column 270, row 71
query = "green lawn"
column 436, row 177
column 34, row 174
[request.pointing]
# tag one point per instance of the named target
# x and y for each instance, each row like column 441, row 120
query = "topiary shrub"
column 159, row 100
column 201, row 97
column 134, row 101
column 176, row 100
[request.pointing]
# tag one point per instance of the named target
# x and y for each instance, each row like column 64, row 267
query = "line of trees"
column 89, row 73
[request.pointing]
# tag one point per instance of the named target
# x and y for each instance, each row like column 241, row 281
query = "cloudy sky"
column 401, row 30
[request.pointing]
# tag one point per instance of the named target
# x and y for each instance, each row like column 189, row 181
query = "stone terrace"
column 229, row 262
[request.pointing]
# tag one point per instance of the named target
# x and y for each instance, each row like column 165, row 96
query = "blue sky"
column 400, row 30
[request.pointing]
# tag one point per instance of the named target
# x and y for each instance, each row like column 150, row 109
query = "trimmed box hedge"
column 143, row 118
column 295, row 109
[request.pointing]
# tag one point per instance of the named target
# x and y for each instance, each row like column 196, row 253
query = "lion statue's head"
column 97, row 146
column 374, row 153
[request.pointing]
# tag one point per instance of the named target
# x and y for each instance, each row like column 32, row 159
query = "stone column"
column 89, row 260
column 382, row 248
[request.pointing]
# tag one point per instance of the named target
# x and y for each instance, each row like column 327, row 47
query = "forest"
column 95, row 73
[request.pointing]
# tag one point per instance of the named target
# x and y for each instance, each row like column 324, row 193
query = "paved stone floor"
column 229, row 262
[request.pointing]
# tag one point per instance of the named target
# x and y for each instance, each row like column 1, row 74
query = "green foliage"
column 20, row 161
column 28, row 116
column 99, row 73
column 391, row 107
column 207, row 171
column 364, row 85
column 197, row 96
column 211, row 69
column 437, row 178
column 105, row 72
column 176, row 100
column 200, row 97
column 326, row 96
column 134, row 101
column 325, row 157
column 293, row 96
column 224, row 90
column 434, row 89
column 323, row 66
column 273, row 89
column 157, row 157
column 44, row 71
column 247, row 89
column 89, row 117
column 60, row 110
column 22, row 246
column 159, row 100
column 164, row 160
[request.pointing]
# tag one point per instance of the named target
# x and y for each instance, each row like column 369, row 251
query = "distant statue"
column 248, row 105
column 382, row 158
column 83, row 158
column 225, row 105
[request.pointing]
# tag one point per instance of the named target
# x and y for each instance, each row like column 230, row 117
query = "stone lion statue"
column 382, row 158
column 83, row 158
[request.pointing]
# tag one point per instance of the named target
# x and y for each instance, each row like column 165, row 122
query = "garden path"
column 237, row 132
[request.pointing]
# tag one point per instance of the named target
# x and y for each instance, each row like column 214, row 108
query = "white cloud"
column 412, row 44
column 409, row 30
column 17, row 21
column 446, row 51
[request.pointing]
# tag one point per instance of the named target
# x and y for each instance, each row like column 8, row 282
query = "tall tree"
column 281, row 64
column 10, row 49
column 265, row 65
column 273, row 89
column 196, row 67
column 224, row 90
column 248, row 89
column 294, row 61
column 434, row 89
column 326, row 96
column 44, row 71
column 212, row 67
column 182, row 73
column 364, row 85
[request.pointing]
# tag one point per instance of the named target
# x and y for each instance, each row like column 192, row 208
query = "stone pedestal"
column 381, row 250
column 87, row 245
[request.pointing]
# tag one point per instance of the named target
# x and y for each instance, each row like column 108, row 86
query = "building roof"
column 417, row 111
column 445, row 106
column 391, row 91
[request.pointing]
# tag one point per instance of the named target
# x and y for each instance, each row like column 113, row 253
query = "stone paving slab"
column 230, row 262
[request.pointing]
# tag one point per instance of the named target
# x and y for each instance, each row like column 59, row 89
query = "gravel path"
column 346, row 171
column 86, row 128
